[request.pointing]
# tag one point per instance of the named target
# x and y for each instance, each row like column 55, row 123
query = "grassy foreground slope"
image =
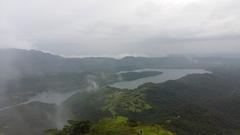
column 110, row 126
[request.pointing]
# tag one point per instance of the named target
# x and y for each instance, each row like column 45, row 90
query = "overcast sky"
column 121, row 27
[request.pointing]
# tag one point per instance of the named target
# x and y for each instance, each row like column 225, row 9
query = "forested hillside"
column 196, row 104
column 190, row 105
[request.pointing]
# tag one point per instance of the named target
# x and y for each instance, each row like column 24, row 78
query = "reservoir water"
column 167, row 74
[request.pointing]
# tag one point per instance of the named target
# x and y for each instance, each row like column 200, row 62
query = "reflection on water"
column 167, row 74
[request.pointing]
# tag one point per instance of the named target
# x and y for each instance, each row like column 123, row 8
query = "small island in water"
column 130, row 76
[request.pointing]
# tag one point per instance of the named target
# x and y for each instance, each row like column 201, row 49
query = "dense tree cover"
column 187, row 106
column 74, row 128
column 107, row 102
column 110, row 126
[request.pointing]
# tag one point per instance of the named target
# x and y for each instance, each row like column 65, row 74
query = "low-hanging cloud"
column 110, row 27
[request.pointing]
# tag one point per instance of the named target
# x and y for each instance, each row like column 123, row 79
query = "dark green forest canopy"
column 187, row 106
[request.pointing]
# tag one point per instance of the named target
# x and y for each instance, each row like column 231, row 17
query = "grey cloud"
column 109, row 27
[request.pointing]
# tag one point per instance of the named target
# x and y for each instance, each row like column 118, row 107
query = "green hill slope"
column 110, row 126
column 186, row 106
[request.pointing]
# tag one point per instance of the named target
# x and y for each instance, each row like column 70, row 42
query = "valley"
column 183, row 99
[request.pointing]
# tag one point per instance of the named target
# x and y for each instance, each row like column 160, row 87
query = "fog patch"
column 92, row 84
column 52, row 97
